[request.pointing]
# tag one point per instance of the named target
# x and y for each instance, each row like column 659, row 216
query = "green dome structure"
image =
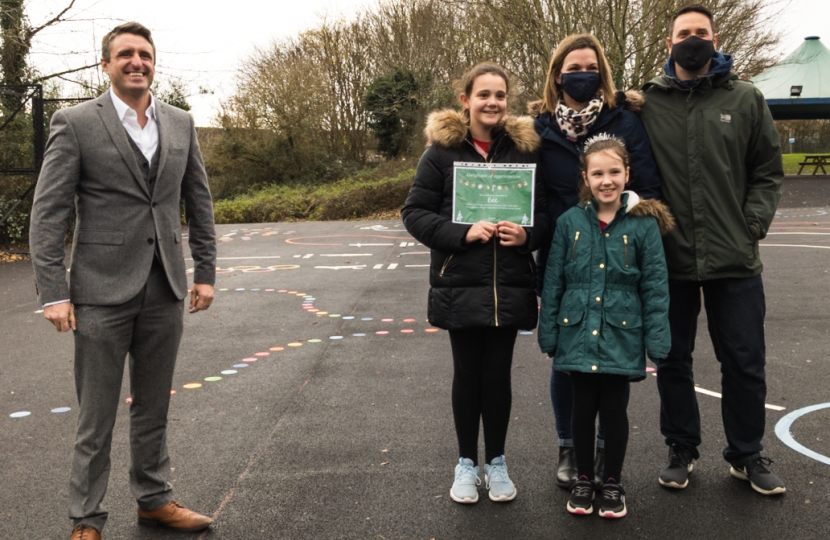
column 798, row 87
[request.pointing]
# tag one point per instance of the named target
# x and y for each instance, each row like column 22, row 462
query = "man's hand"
column 483, row 230
column 201, row 297
column 61, row 315
column 511, row 234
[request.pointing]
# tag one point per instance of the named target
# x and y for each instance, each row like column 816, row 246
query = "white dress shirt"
column 146, row 139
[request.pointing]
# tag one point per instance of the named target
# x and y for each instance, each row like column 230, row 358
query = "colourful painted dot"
column 240, row 289
column 240, row 365
column 381, row 332
column 315, row 340
column 295, row 344
column 60, row 410
column 128, row 400
column 292, row 292
column 650, row 370
column 192, row 386
column 409, row 320
column 358, row 335
column 348, row 318
column 229, row 372
column 250, row 359
column 277, row 349
column 269, row 290
column 431, row 330
column 407, row 331
column 223, row 289
column 322, row 313
column 252, row 290
column 366, row 319
column 526, row 333
column 213, row 379
column 172, row 392
column 262, row 354
column 283, row 290
column 387, row 320
column 313, row 310
column 335, row 337
column 20, row 414
column 334, row 315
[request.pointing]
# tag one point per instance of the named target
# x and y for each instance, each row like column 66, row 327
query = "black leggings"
column 605, row 394
column 481, row 388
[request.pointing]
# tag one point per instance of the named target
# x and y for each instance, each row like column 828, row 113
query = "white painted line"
column 782, row 430
column 310, row 255
column 410, row 244
column 794, row 245
column 403, row 244
column 352, row 267
column 297, row 256
column 813, row 233
column 244, row 258
column 377, row 266
column 392, row 266
column 417, row 266
column 361, row 245
column 720, row 396
column 415, row 253
column 346, row 254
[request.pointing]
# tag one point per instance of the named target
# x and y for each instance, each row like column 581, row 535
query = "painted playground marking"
column 782, row 430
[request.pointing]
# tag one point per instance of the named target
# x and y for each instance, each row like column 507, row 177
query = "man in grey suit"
column 126, row 159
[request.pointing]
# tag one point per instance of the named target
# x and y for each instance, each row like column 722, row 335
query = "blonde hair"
column 553, row 90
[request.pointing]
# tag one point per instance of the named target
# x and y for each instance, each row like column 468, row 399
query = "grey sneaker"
column 757, row 473
column 500, row 486
column 676, row 473
column 464, row 488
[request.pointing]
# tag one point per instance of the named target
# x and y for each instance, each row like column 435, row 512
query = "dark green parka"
column 719, row 154
column 606, row 293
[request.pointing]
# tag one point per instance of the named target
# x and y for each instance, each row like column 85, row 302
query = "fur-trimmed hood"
column 635, row 206
column 449, row 127
column 631, row 100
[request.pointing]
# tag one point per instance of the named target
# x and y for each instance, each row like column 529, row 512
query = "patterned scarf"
column 576, row 124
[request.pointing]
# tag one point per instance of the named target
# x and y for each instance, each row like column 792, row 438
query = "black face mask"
column 581, row 86
column 693, row 53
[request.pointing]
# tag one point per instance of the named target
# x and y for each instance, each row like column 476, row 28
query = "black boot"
column 599, row 466
column 566, row 469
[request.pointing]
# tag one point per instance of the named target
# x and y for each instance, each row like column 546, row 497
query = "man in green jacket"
column 720, row 157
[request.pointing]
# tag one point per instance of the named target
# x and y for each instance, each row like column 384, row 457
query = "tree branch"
column 47, row 77
column 31, row 32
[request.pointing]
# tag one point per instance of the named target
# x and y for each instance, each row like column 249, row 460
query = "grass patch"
column 357, row 197
column 791, row 164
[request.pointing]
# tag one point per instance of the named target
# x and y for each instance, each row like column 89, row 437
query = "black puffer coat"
column 474, row 285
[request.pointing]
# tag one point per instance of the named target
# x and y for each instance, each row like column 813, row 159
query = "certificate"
column 493, row 192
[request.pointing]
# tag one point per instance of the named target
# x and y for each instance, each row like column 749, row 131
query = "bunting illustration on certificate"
column 493, row 192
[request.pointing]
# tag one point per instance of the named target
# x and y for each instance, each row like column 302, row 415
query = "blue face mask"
column 581, row 86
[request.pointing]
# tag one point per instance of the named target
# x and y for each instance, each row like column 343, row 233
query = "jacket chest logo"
column 726, row 118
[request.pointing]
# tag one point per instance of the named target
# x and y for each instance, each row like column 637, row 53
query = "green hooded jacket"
column 606, row 293
column 719, row 153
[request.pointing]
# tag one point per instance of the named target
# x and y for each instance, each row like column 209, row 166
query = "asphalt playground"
column 313, row 401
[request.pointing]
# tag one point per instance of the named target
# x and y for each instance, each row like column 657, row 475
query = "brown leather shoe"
column 174, row 516
column 85, row 532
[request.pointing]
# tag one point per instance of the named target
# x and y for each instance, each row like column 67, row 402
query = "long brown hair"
column 465, row 85
column 574, row 42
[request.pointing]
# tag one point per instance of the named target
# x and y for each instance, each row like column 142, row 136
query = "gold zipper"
column 573, row 249
column 446, row 263
column 495, row 290
column 625, row 241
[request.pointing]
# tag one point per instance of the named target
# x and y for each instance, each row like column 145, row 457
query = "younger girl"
column 605, row 299
column 482, row 276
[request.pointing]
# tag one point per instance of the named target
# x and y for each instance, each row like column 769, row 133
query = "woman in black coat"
column 580, row 101
column 482, row 276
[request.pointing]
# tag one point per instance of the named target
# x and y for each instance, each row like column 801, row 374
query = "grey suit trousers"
column 148, row 328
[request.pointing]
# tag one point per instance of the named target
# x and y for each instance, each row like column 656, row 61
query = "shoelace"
column 611, row 492
column 84, row 529
column 467, row 474
column 761, row 464
column 677, row 458
column 582, row 490
column 498, row 473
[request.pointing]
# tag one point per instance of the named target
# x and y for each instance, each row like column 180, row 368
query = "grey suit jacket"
column 89, row 159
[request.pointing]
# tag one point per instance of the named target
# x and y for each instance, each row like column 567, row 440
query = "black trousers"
column 607, row 395
column 481, row 391
column 735, row 310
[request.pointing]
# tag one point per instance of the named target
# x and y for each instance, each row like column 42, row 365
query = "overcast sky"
column 203, row 41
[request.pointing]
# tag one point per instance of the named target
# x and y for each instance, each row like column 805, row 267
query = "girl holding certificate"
column 482, row 274
column 580, row 101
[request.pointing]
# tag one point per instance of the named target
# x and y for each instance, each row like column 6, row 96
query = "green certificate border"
column 493, row 192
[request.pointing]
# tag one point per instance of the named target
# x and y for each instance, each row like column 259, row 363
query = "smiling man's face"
column 131, row 65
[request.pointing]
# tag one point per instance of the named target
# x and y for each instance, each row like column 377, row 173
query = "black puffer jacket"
column 474, row 285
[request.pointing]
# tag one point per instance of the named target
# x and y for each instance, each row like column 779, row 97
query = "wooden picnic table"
column 817, row 161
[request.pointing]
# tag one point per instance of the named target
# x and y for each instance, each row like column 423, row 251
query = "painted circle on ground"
column 250, row 359
column 381, row 332
column 60, row 410
column 244, row 268
column 782, row 431
column 277, row 349
column 213, row 379
column 407, row 331
column 431, row 330
column 258, row 271
column 262, row 354
column 358, row 335
column 229, row 372
column 192, row 386
column 335, row 337
column 295, row 344
column 315, row 340
column 240, row 365
column 284, row 267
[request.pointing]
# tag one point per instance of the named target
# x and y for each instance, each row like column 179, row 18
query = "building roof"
column 808, row 67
